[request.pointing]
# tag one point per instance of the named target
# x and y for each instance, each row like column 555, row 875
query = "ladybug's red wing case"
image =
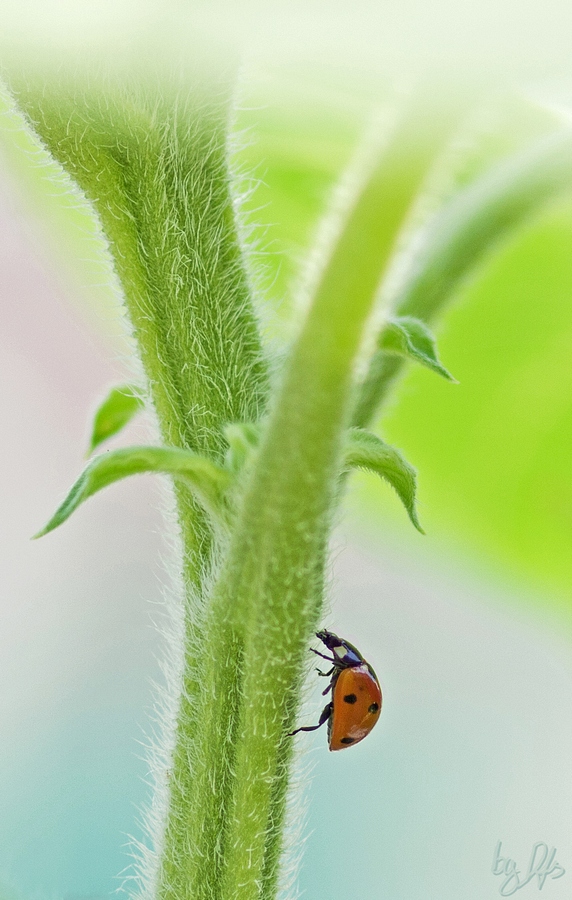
column 356, row 706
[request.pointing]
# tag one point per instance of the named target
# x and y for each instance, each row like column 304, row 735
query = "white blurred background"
column 475, row 741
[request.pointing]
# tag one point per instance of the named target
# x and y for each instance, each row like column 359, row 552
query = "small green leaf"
column 207, row 481
column 410, row 337
column 118, row 408
column 365, row 450
column 242, row 438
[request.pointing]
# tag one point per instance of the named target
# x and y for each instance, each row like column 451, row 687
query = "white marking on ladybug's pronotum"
column 340, row 651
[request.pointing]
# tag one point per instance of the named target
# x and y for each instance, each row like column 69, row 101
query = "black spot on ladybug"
column 347, row 740
column 350, row 698
column 373, row 708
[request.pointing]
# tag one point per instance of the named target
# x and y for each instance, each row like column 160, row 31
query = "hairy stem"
column 268, row 597
column 152, row 159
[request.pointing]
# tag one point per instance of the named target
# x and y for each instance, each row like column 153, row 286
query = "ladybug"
column 356, row 695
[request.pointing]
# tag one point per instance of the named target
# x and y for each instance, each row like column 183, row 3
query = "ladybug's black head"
column 344, row 653
column 328, row 638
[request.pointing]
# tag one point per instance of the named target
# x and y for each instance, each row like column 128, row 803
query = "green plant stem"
column 268, row 597
column 458, row 238
column 152, row 159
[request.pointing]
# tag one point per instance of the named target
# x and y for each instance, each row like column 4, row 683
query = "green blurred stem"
column 458, row 238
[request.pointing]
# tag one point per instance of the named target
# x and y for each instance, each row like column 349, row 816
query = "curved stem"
column 458, row 238
column 270, row 590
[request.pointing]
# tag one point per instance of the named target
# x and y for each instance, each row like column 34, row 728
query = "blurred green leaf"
column 365, row 450
column 207, row 481
column 410, row 337
column 114, row 413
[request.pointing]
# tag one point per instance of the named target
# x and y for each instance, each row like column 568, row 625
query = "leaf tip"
column 446, row 374
column 116, row 410
column 413, row 517
column 417, row 524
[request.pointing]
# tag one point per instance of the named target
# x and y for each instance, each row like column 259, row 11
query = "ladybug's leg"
column 328, row 689
column 329, row 658
column 326, row 674
column 326, row 713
